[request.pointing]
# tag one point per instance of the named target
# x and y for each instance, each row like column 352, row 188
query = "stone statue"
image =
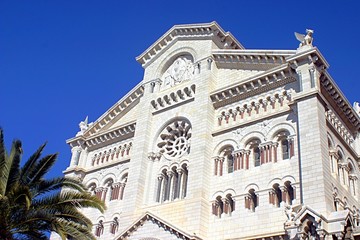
column 182, row 69
column 291, row 213
column 83, row 125
column 305, row 40
column 356, row 107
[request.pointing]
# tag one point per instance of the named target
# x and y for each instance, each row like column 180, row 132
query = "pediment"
column 115, row 124
column 151, row 227
column 224, row 40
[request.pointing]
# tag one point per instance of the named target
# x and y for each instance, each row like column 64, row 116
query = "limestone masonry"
column 220, row 142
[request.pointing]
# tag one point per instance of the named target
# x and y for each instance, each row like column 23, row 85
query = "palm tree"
column 31, row 206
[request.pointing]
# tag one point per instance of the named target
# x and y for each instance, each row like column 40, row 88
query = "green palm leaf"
column 32, row 206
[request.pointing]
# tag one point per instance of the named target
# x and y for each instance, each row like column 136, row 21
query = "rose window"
column 174, row 140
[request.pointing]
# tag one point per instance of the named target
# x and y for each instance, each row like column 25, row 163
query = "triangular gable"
column 307, row 211
column 189, row 31
column 115, row 112
column 150, row 226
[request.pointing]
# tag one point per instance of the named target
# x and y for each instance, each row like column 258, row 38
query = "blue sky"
column 63, row 60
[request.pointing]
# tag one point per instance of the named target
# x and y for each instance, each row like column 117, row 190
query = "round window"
column 174, row 140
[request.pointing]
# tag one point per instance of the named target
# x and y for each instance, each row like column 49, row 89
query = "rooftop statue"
column 305, row 40
column 83, row 125
column 356, row 107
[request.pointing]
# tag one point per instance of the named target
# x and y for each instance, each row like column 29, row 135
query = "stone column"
column 104, row 194
column 221, row 161
column 247, row 154
column 184, row 184
column 180, row 172
column 76, row 151
column 158, row 193
column 275, row 145
column 121, row 190
column 216, row 160
column 157, row 85
column 169, row 186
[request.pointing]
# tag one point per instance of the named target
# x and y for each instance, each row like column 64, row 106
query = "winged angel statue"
column 305, row 40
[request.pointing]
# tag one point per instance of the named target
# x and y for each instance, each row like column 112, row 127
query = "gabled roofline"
column 166, row 225
column 115, row 110
column 189, row 30
column 340, row 100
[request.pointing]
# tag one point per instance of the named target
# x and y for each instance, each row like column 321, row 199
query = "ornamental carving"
column 174, row 140
column 182, row 69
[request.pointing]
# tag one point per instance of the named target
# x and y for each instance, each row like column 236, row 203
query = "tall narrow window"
column 251, row 200
column 99, row 230
column 218, row 207
column 277, row 195
column 229, row 204
column 230, row 160
column 285, row 149
column 257, row 156
column 289, row 193
column 114, row 225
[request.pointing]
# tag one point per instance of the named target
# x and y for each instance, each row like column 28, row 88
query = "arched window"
column 352, row 179
column 276, row 196
column 251, row 200
column 99, row 229
column 114, row 225
column 224, row 161
column 218, row 207
column 289, row 193
column 286, row 144
column 254, row 146
column 229, row 204
column 172, row 184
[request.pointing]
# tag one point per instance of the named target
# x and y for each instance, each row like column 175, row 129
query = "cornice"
column 312, row 55
column 190, row 31
column 259, row 83
column 338, row 101
column 116, row 134
column 251, row 59
column 130, row 98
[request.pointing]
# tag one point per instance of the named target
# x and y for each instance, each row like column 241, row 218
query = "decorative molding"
column 252, row 59
column 330, row 88
column 190, row 31
column 117, row 134
column 245, row 110
column 254, row 85
column 174, row 98
column 339, row 127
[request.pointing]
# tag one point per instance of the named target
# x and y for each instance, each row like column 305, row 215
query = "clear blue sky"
column 63, row 60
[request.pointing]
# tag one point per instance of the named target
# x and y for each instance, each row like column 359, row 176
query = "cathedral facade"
column 220, row 142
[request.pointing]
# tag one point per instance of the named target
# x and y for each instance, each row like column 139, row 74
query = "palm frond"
column 41, row 168
column 45, row 186
column 80, row 200
column 10, row 168
column 2, row 162
column 30, row 164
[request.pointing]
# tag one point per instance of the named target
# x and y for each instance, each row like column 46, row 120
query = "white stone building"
column 220, row 142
